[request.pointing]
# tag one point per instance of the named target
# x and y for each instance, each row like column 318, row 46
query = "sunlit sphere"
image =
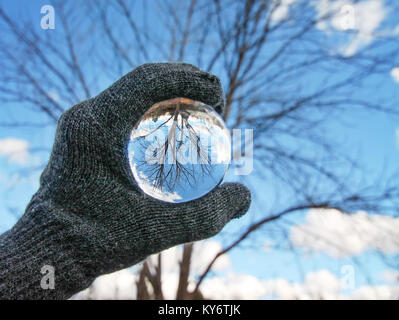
column 179, row 150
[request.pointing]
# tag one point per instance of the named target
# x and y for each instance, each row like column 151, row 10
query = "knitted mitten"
column 88, row 217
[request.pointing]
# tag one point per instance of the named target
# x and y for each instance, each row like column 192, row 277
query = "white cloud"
column 15, row 150
column 120, row 285
column 339, row 234
column 340, row 15
column 267, row 246
column 363, row 17
column 170, row 283
column 390, row 276
column 282, row 9
column 233, row 286
column 54, row 95
column 395, row 74
column 203, row 253
column 317, row 285
column 322, row 284
column 381, row 292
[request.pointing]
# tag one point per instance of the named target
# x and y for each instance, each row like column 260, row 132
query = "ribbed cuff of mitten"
column 38, row 243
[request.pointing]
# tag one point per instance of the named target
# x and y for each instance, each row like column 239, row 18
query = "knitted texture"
column 88, row 217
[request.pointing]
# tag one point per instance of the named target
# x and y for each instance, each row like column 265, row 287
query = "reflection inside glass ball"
column 179, row 150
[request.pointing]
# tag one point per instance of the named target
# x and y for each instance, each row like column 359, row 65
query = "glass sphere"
column 179, row 150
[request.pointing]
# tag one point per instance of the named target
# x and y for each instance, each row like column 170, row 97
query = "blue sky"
column 371, row 134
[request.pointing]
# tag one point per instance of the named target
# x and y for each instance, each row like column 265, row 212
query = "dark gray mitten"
column 88, row 217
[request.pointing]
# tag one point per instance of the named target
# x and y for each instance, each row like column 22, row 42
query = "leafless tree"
column 179, row 156
column 279, row 70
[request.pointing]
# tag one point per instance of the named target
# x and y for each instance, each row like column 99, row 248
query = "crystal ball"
column 179, row 150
